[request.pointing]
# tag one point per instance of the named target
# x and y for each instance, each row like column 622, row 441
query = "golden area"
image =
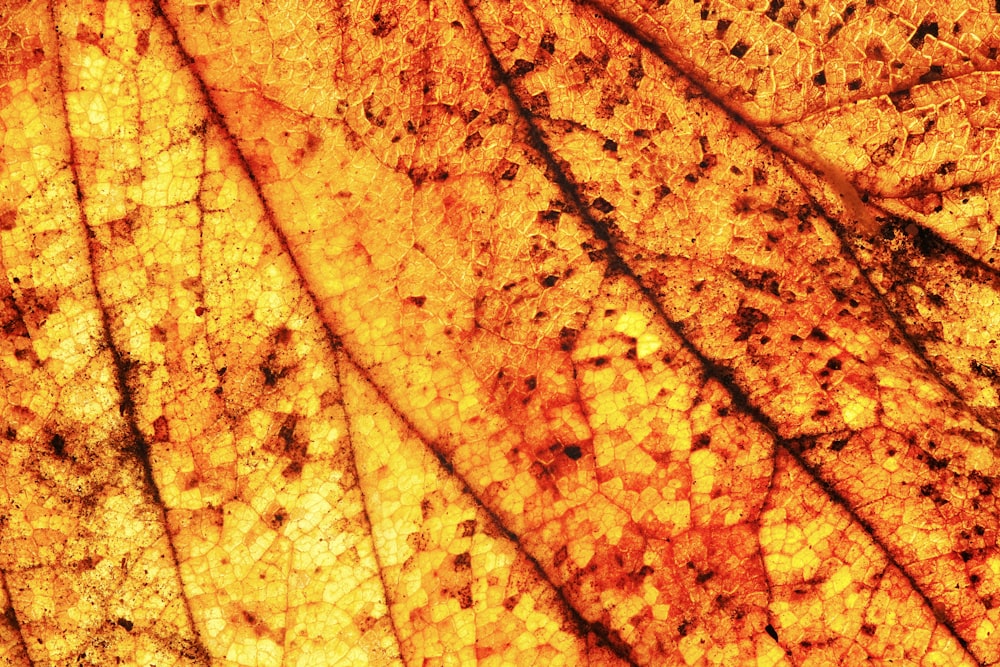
column 486, row 332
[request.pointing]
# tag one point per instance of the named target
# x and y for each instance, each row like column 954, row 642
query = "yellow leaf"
column 498, row 333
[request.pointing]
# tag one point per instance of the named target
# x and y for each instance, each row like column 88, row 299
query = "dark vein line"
column 139, row 448
column 838, row 229
column 722, row 374
column 962, row 256
column 333, row 340
column 364, row 498
column 583, row 625
column 11, row 616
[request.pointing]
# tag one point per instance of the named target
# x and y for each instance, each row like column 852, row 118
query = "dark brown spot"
column 548, row 42
column 8, row 219
column 161, row 429
column 773, row 8
column 947, row 168
column 142, row 42
column 603, row 205
column 923, row 30
column 58, row 444
column 746, row 321
column 11, row 617
column 520, row 68
column 384, row 23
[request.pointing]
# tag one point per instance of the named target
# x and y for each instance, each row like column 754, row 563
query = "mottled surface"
column 498, row 333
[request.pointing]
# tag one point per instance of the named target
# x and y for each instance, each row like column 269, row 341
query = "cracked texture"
column 498, row 332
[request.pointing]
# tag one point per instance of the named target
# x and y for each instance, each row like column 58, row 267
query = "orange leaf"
column 499, row 333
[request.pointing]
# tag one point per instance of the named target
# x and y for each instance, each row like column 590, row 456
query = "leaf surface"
column 445, row 333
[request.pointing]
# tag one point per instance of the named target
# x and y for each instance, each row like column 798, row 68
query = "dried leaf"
column 498, row 332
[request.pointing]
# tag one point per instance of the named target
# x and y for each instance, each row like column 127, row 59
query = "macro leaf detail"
column 496, row 333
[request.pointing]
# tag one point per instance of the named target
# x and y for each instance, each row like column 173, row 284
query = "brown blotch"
column 539, row 104
column 923, row 30
column 464, row 596
column 58, row 444
column 385, row 22
column 603, row 205
column 548, row 42
column 520, row 68
column 142, row 42
column 506, row 170
column 567, row 339
column 902, row 100
column 474, row 140
column 747, row 319
column 161, row 429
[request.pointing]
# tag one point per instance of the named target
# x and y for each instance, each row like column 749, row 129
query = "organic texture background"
column 528, row 332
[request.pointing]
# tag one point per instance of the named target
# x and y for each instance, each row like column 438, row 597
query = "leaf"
column 498, row 332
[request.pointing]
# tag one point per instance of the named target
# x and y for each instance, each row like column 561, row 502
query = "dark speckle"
column 58, row 444
column 548, row 42
column 603, row 205
column 818, row 334
column 773, row 8
column 739, row 49
column 820, row 78
column 771, row 632
column 924, row 29
column 11, row 617
column 521, row 67
column 573, row 452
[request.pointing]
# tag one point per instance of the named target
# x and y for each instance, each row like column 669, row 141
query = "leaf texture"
column 498, row 333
